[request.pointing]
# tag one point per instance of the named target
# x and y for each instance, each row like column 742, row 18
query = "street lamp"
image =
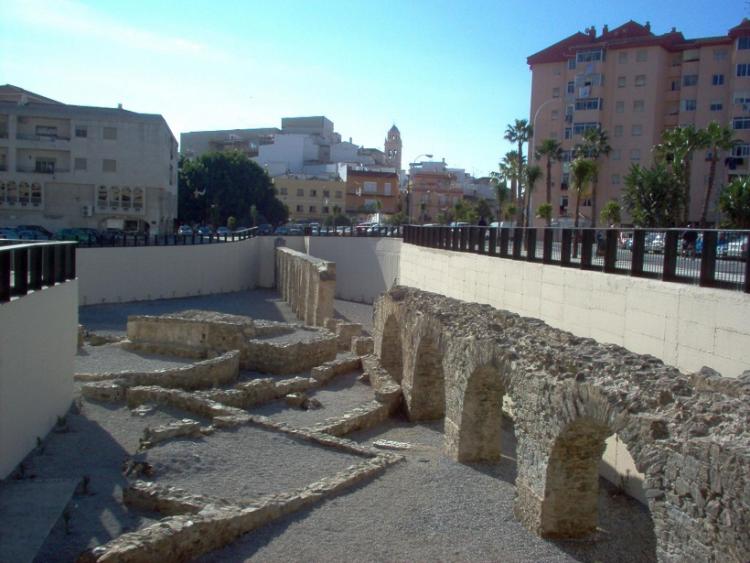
column 408, row 190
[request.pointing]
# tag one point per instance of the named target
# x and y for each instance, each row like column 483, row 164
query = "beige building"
column 634, row 84
column 310, row 198
column 78, row 166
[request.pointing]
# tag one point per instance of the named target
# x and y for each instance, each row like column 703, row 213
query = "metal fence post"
column 639, row 252
column 547, row 245
column 610, row 251
column 669, row 265
column 565, row 247
column 708, row 259
column 531, row 244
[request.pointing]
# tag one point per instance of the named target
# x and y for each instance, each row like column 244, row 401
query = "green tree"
column 719, row 138
column 653, row 196
column 676, row 149
column 399, row 218
column 552, row 151
column 231, row 222
column 611, row 213
column 519, row 132
column 253, row 215
column 483, row 209
column 544, row 211
column 595, row 145
column 221, row 184
column 582, row 171
column 465, row 212
column 734, row 202
column 511, row 169
column 532, row 175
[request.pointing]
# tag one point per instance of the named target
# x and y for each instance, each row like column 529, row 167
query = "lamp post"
column 408, row 187
column 532, row 150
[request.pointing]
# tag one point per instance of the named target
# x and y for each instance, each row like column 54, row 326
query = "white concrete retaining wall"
column 365, row 267
column 112, row 275
column 685, row 326
column 38, row 343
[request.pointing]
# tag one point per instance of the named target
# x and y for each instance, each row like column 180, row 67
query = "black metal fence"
column 710, row 258
column 131, row 240
column 32, row 266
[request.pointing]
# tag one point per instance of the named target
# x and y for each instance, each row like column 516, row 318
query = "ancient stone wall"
column 308, row 284
column 689, row 434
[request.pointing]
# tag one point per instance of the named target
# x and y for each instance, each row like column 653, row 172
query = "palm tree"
column 595, row 145
column 551, row 149
column 511, row 169
column 582, row 171
column 532, row 173
column 719, row 138
column 519, row 132
column 676, row 148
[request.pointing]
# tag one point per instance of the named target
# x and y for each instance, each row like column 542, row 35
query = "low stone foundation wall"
column 308, row 284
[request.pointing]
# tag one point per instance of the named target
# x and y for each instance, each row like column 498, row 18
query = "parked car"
column 281, row 230
column 205, row 231
column 44, row 234
column 265, row 229
column 224, row 232
column 78, row 235
column 625, row 239
column 654, row 243
column 295, row 230
column 110, row 236
column 27, row 234
column 733, row 248
column 185, row 230
column 8, row 233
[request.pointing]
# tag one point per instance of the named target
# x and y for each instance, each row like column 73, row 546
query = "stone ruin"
column 307, row 283
column 689, row 434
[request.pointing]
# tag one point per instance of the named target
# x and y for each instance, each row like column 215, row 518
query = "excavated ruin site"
column 291, row 426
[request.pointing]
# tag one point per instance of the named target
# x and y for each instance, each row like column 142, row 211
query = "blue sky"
column 450, row 74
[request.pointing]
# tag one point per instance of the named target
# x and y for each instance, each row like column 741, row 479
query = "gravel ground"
column 112, row 358
column 96, row 444
column 431, row 508
column 258, row 304
column 244, row 463
column 341, row 395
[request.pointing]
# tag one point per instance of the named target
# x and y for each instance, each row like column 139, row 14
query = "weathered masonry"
column 689, row 434
column 308, row 284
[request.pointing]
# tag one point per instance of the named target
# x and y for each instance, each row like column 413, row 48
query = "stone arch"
column 424, row 382
column 571, row 492
column 480, row 429
column 391, row 350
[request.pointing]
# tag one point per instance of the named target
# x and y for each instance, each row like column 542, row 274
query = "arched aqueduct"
column 687, row 433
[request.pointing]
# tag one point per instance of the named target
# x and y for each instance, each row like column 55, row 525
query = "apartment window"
column 636, row 130
column 563, row 204
column 282, row 191
column 716, row 105
column 581, row 128
column 616, row 155
column 36, row 194
column 571, row 87
column 326, row 193
column 338, row 195
column 137, row 198
column 691, row 55
column 717, row 79
column 44, row 165
column 622, row 57
column 565, row 181
column 589, row 56
column 720, row 54
column 101, row 197
column 571, row 64
column 109, row 165
column 743, row 69
column 300, row 209
column 635, row 155
column 741, row 150
column 387, row 188
column 555, row 92
column 300, row 192
column 554, row 115
column 639, row 105
column 11, row 194
column 618, row 130
column 619, row 107
column 689, row 105
column 81, row 131
column 568, row 132
column 621, row 82
column 588, row 103
column 80, row 164
column 589, row 79
column 313, row 193
column 125, row 198
column 24, row 193
column 109, row 133
column 114, row 197
column 325, row 209
column 370, row 187
column 675, row 87
column 640, row 80
column 312, row 209
column 741, row 123
column 741, row 98
column 743, row 43
column 46, row 131
column 586, row 202
column 641, row 55
column 690, row 80
column 615, row 179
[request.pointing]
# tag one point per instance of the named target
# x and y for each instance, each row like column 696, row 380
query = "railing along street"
column 28, row 267
column 707, row 257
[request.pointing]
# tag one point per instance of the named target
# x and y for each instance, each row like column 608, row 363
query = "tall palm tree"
column 676, row 148
column 511, row 169
column 519, row 132
column 582, row 171
column 552, row 150
column 532, row 174
column 719, row 138
column 595, row 145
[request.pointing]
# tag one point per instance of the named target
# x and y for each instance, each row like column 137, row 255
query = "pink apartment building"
column 634, row 84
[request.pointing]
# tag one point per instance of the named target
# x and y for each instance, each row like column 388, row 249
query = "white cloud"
column 72, row 18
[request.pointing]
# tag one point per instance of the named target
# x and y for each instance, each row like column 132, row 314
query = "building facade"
column 310, row 199
column 78, row 166
column 433, row 191
column 634, row 84
column 371, row 191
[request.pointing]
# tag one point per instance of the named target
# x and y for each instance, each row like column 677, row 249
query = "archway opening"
column 426, row 396
column 480, row 433
column 391, row 351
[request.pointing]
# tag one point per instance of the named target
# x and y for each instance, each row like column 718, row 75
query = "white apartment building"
column 65, row 166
